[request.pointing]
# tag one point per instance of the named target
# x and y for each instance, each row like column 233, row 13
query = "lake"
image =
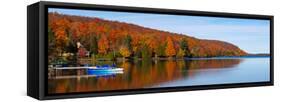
column 163, row 73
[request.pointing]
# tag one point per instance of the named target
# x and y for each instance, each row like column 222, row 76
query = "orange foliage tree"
column 103, row 45
column 170, row 49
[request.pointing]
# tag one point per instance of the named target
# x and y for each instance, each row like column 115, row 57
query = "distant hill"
column 102, row 36
column 258, row 55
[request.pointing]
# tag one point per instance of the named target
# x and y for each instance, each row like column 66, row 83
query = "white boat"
column 93, row 69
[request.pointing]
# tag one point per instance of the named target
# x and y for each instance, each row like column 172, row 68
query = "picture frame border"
column 43, row 55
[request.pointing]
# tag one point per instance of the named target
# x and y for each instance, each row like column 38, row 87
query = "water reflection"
column 136, row 74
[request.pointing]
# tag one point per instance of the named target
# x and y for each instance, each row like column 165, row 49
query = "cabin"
column 82, row 51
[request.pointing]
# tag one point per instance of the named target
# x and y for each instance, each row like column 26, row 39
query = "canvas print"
column 97, row 51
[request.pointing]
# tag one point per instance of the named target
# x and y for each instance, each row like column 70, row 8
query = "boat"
column 105, row 69
column 96, row 70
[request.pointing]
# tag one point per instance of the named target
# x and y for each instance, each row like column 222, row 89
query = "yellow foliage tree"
column 124, row 51
column 181, row 53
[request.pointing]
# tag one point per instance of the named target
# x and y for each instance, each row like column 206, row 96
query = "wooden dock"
column 81, row 76
column 74, row 68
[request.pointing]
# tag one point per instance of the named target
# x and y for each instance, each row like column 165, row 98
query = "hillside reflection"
column 138, row 74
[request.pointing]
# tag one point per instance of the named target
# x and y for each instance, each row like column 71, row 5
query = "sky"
column 250, row 35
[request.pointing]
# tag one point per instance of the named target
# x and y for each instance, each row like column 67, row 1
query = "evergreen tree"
column 93, row 45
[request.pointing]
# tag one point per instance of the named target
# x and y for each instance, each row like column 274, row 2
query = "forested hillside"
column 104, row 37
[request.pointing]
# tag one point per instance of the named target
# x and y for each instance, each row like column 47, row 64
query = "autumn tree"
column 114, row 46
column 170, row 49
column 125, row 52
column 137, row 52
column 127, row 42
column 160, row 50
column 152, row 44
column 61, row 39
column 103, row 45
column 181, row 53
column 136, row 46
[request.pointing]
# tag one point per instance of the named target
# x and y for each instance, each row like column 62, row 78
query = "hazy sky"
column 253, row 36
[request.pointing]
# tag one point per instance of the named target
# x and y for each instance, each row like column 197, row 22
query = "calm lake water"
column 163, row 73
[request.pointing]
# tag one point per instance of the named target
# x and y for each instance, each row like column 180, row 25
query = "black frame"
column 38, row 43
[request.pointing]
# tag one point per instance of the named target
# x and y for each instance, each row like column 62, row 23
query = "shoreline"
column 185, row 58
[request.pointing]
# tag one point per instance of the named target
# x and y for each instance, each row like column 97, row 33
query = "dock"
column 73, row 68
column 82, row 76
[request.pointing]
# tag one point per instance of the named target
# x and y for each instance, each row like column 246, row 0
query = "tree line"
column 118, row 39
